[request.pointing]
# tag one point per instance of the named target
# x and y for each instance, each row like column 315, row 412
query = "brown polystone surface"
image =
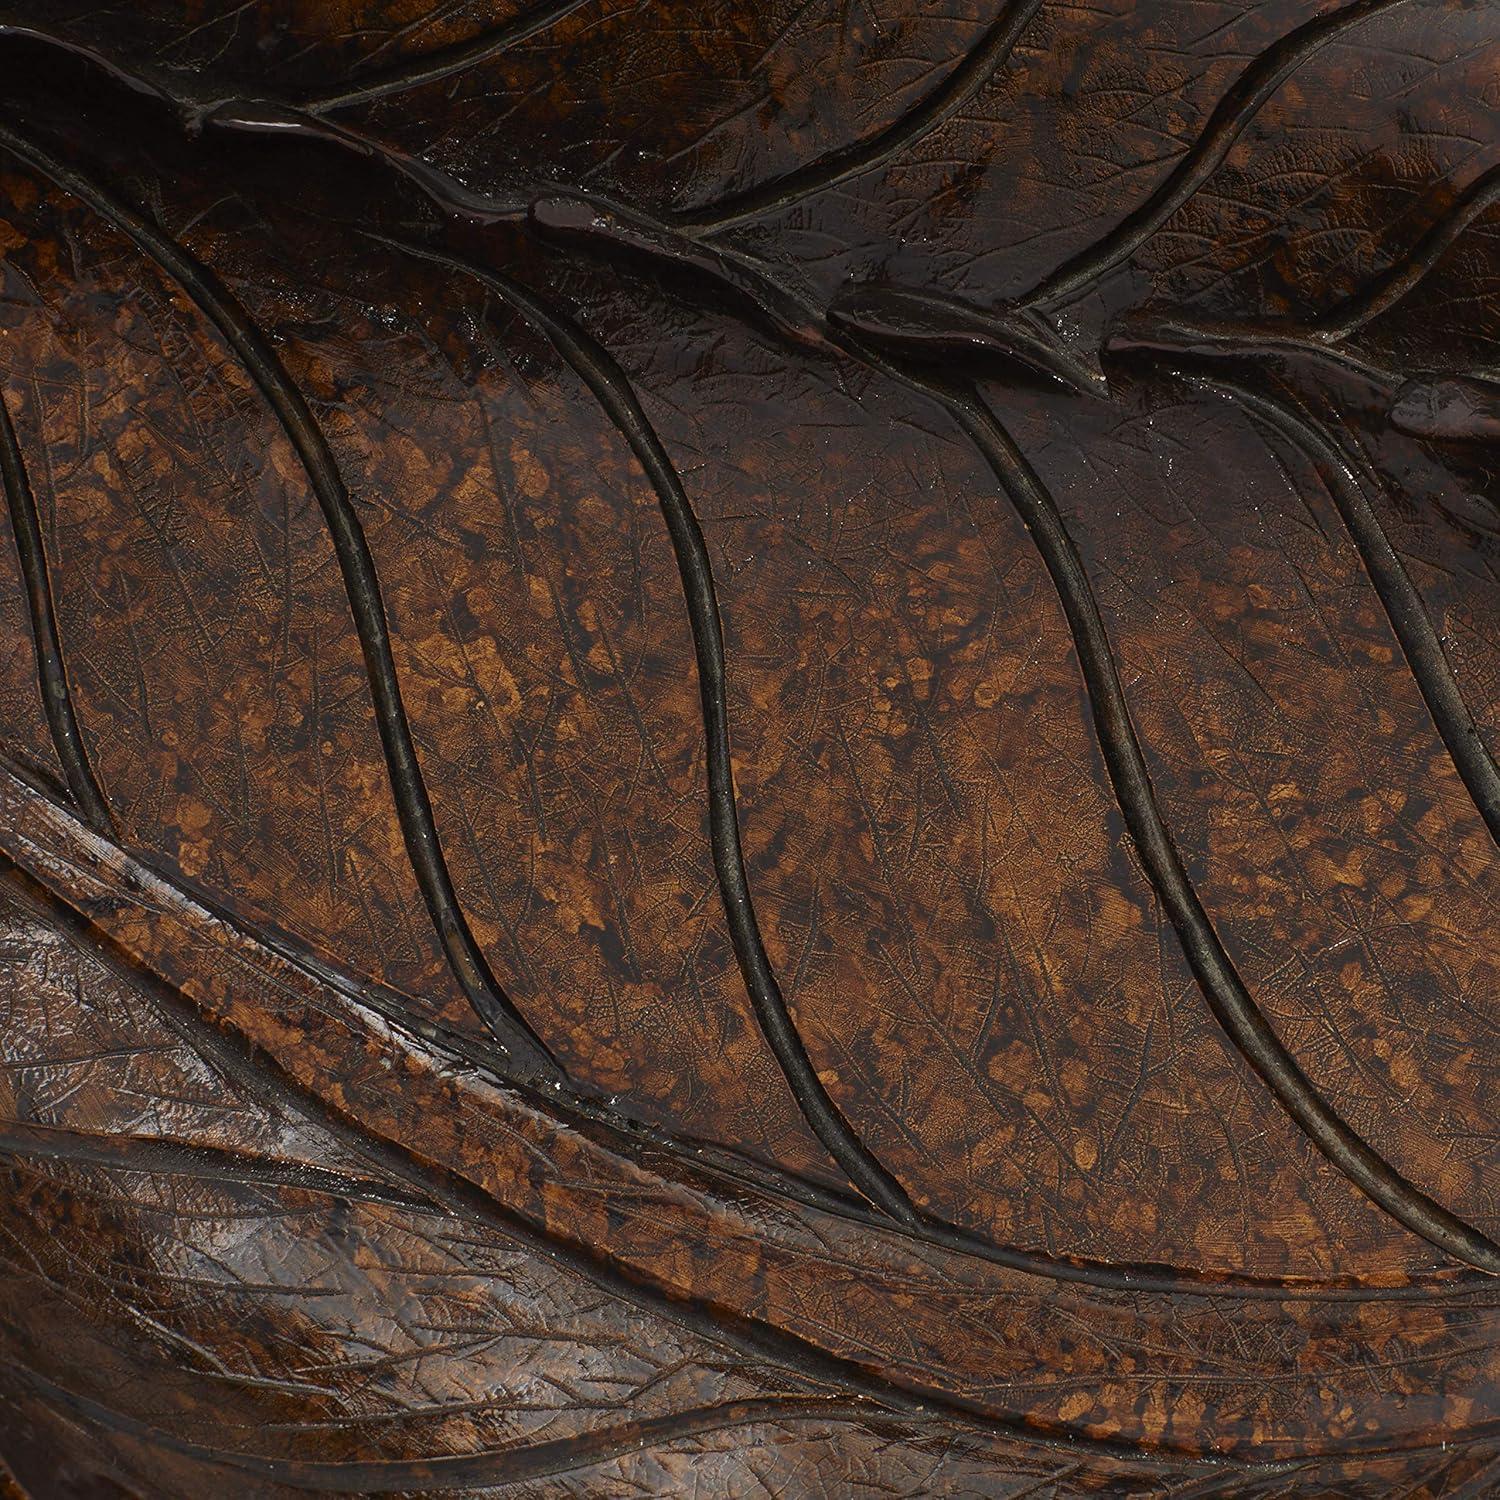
column 749, row 748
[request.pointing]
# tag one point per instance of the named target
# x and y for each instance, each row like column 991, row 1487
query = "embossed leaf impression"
column 750, row 748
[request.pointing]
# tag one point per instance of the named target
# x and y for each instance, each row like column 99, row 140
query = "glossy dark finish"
column 750, row 751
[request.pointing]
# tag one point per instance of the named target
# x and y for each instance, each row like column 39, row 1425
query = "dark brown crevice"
column 606, row 228
column 1383, row 291
column 442, row 62
column 1322, row 335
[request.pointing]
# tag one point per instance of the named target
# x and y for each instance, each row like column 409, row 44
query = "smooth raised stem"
column 51, row 671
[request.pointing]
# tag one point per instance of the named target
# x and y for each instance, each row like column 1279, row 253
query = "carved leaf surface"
column 751, row 750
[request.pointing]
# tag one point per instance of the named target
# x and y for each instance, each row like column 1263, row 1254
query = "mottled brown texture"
column 862, row 400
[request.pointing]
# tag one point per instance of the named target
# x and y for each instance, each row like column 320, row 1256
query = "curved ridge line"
column 52, row 676
column 263, row 1076
column 565, row 1107
column 442, row 62
column 361, row 584
column 754, row 1338
column 1233, row 112
column 1398, row 595
column 462, row 1471
column 611, row 387
column 175, row 1158
column 1402, row 276
column 1231, row 1002
column 958, row 87
column 1321, row 333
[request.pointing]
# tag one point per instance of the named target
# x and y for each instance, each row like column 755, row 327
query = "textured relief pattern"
column 750, row 749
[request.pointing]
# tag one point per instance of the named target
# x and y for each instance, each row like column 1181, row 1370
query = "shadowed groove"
column 118, row 72
column 267, row 115
column 611, row 387
column 1398, row 596
column 443, row 62
column 52, row 676
column 1234, row 111
column 361, row 584
column 1151, row 336
column 934, row 109
column 263, row 1077
column 1232, row 1004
